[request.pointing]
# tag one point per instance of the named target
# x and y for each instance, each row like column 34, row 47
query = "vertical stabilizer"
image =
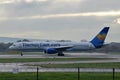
column 98, row 40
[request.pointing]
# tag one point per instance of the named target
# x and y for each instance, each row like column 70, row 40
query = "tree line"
column 4, row 46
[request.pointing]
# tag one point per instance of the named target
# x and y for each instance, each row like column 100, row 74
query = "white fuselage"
column 41, row 46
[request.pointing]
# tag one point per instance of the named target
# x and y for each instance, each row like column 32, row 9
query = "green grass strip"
column 58, row 76
column 82, row 65
column 14, row 60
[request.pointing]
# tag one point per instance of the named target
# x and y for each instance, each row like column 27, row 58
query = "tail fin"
column 98, row 40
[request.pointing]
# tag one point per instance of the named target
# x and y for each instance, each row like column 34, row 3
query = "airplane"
column 60, row 47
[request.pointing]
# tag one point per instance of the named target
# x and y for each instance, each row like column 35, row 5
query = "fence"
column 60, row 74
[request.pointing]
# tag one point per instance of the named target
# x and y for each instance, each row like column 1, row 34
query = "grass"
column 82, row 65
column 58, row 76
column 14, row 60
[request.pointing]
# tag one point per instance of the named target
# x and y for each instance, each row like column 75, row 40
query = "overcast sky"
column 59, row 19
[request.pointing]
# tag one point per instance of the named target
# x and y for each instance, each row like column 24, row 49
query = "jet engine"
column 51, row 51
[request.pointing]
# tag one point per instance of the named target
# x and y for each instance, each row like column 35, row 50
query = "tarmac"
column 24, row 67
column 67, row 55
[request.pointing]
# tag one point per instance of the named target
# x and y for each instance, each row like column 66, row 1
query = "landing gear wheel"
column 60, row 54
column 21, row 54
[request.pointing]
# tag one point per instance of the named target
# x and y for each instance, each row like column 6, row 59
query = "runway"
column 24, row 67
column 11, row 67
column 67, row 55
column 15, row 68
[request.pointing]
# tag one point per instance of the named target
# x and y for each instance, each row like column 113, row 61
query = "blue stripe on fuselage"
column 40, row 45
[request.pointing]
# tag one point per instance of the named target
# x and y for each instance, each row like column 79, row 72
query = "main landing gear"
column 21, row 54
column 60, row 54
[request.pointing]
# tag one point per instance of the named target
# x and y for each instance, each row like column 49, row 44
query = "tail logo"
column 101, row 37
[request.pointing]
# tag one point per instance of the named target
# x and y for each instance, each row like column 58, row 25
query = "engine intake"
column 51, row 51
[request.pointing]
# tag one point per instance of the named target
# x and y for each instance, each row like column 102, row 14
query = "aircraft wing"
column 63, row 48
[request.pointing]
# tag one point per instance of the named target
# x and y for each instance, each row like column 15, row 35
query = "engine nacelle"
column 51, row 51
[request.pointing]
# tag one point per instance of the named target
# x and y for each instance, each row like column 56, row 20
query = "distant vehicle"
column 60, row 47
